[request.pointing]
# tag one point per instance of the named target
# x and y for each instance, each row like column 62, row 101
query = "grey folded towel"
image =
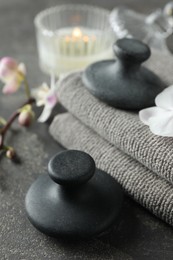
column 121, row 128
column 146, row 187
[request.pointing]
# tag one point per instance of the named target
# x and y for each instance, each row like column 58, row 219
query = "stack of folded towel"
column 120, row 144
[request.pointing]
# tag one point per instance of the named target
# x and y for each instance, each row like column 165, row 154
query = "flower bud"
column 10, row 154
column 25, row 118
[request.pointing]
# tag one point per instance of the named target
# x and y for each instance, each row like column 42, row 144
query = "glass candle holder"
column 70, row 37
column 153, row 29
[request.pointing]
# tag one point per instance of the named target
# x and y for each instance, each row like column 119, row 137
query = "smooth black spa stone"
column 76, row 200
column 124, row 83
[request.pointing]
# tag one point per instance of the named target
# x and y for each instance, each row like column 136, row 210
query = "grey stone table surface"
column 139, row 235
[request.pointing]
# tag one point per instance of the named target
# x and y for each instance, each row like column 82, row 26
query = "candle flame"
column 77, row 32
column 85, row 38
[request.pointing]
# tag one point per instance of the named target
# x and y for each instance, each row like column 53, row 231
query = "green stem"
column 6, row 148
column 27, row 89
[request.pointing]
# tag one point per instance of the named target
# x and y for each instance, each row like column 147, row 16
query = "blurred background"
column 17, row 32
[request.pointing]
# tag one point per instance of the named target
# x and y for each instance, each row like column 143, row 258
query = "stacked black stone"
column 124, row 83
column 75, row 200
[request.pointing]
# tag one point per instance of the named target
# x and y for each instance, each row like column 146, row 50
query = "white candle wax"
column 72, row 49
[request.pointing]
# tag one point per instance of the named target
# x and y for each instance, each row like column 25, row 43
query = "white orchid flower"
column 160, row 117
column 46, row 96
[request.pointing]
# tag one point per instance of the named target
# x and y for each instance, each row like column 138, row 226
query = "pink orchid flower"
column 11, row 74
column 45, row 96
column 160, row 117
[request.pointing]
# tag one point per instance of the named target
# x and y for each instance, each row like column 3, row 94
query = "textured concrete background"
column 139, row 235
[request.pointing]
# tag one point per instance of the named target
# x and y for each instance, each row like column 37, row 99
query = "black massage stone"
column 124, row 83
column 76, row 200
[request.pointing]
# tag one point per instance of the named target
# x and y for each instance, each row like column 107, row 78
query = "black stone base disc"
column 122, row 90
column 76, row 212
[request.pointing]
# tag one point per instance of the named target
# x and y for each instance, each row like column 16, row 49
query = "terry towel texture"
column 121, row 128
column 120, row 144
column 146, row 187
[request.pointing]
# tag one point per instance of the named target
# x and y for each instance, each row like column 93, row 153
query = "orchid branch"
column 10, row 121
column 13, row 75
